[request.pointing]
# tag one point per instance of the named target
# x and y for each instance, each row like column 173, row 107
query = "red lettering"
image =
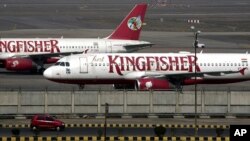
column 112, row 62
column 3, row 46
column 122, row 64
column 11, row 46
column 29, row 44
column 164, row 65
column 54, row 46
column 18, row 45
column 39, row 45
column 47, row 47
column 140, row 65
column 183, row 63
column 149, row 62
column 173, row 62
column 130, row 61
column 157, row 64
column 191, row 60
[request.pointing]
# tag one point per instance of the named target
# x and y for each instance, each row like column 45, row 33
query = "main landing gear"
column 41, row 70
column 81, row 86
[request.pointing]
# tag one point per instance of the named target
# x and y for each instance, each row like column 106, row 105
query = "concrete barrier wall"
column 123, row 102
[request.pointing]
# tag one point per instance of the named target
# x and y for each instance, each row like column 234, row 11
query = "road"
column 115, row 132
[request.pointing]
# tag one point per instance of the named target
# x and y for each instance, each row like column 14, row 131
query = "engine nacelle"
column 19, row 64
column 51, row 60
column 154, row 84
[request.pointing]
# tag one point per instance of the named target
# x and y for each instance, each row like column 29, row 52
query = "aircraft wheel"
column 81, row 87
column 41, row 70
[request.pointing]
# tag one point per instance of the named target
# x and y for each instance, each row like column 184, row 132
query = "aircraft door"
column 108, row 47
column 83, row 64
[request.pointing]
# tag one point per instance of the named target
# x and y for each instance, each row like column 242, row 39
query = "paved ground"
column 223, row 15
column 211, row 121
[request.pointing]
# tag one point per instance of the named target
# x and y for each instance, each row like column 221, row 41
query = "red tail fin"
column 130, row 27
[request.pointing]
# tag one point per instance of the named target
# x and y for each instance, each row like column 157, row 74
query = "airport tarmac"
column 225, row 15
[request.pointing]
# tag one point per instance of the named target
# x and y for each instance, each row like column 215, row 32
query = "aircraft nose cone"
column 47, row 73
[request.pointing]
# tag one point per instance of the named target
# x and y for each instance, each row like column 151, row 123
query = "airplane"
column 150, row 71
column 20, row 54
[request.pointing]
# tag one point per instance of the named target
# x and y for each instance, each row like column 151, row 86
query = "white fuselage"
column 109, row 68
column 16, row 47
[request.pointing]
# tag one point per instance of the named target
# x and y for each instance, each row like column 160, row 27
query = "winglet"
column 130, row 27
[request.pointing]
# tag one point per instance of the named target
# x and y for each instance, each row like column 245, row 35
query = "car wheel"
column 34, row 128
column 58, row 128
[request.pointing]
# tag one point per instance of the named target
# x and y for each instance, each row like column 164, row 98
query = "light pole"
column 105, row 124
column 195, row 74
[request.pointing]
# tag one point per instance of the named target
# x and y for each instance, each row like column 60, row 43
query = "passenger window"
column 67, row 64
column 49, row 119
column 40, row 118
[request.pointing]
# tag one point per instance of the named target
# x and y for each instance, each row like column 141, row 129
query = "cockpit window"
column 57, row 63
column 62, row 64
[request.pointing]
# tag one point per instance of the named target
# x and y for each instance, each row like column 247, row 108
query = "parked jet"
column 156, row 71
column 20, row 54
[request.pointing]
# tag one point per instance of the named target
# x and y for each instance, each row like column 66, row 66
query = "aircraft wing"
column 178, row 75
column 133, row 48
column 46, row 55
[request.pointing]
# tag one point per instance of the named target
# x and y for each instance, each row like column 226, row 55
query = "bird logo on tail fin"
column 135, row 23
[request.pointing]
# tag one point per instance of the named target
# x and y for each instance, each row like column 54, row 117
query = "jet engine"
column 154, row 84
column 20, row 64
column 51, row 60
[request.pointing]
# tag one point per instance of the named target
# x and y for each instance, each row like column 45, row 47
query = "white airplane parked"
column 20, row 54
column 158, row 71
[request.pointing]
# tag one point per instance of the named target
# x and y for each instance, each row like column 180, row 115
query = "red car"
column 46, row 122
